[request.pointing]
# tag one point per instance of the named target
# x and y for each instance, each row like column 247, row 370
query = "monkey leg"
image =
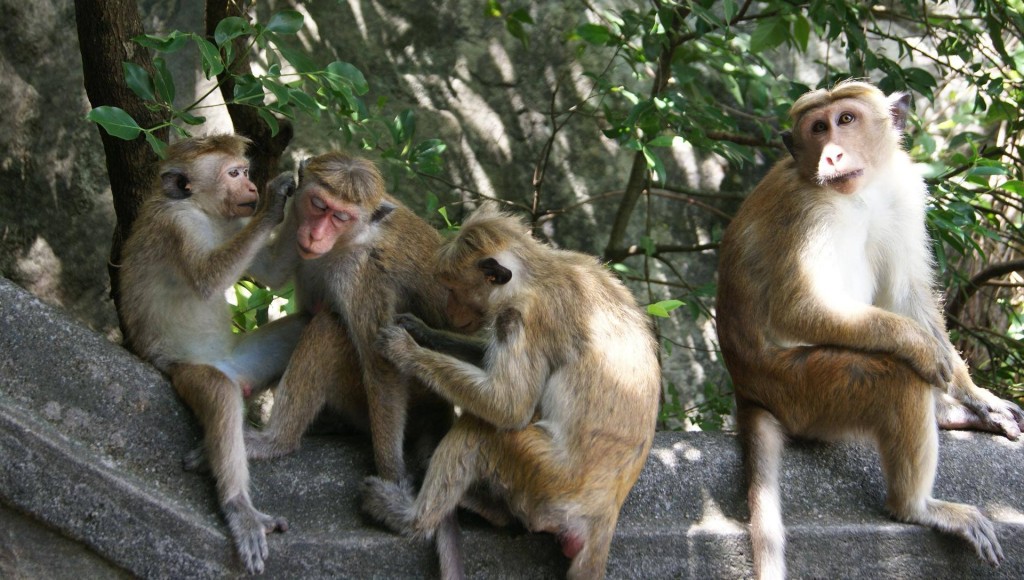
column 317, row 366
column 218, row 404
column 908, row 444
column 261, row 356
column 763, row 441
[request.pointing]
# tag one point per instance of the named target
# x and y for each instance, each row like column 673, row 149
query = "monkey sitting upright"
column 828, row 321
column 558, row 420
column 188, row 245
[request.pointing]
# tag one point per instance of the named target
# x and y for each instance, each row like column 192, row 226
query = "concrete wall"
column 91, row 485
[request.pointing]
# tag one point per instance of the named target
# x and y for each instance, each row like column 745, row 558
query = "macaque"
column 829, row 323
column 358, row 257
column 558, row 419
column 188, row 245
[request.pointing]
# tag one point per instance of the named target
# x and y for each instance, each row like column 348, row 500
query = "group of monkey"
column 826, row 317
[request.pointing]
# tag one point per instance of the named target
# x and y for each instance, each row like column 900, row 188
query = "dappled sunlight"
column 670, row 456
column 40, row 270
column 310, row 34
column 713, row 519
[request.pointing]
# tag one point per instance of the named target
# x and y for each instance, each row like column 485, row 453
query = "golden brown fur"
column 828, row 322
column 559, row 420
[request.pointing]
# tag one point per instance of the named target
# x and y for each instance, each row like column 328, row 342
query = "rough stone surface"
column 91, row 483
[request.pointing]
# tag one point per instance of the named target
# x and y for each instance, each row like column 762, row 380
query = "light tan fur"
column 828, row 321
column 190, row 243
column 559, row 419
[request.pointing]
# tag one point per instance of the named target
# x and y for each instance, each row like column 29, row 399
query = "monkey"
column 358, row 257
column 558, row 420
column 189, row 243
column 828, row 322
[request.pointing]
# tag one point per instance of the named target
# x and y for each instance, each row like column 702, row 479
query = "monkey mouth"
column 307, row 254
column 839, row 177
column 249, row 204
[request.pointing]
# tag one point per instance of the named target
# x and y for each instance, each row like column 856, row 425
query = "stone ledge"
column 90, row 483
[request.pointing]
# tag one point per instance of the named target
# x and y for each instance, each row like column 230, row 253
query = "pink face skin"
column 241, row 197
column 323, row 221
column 840, row 138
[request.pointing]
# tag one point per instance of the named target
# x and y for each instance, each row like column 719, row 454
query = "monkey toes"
column 249, row 529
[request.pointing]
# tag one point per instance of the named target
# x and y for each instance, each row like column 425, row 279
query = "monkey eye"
column 236, row 171
column 318, row 203
column 342, row 216
column 819, row 127
column 846, row 118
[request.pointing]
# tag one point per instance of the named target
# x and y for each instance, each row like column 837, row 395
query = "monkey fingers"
column 249, row 529
column 394, row 343
column 997, row 416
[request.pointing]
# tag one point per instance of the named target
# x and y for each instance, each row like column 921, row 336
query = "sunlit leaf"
column 115, row 121
column 285, row 22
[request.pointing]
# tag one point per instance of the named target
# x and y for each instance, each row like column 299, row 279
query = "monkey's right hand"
column 396, row 345
column 280, row 189
column 932, row 359
column 416, row 327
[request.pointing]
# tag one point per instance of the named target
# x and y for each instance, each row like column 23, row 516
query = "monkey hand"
column 933, row 360
column 396, row 345
column 281, row 188
column 416, row 327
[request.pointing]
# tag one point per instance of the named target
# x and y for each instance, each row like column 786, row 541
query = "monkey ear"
column 496, row 273
column 899, row 106
column 787, row 140
column 175, row 184
column 382, row 211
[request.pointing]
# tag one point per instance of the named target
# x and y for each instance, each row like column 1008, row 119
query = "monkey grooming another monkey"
column 829, row 324
column 358, row 257
column 559, row 418
column 188, row 245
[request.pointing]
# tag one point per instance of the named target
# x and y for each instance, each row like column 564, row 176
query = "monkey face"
column 324, row 220
column 465, row 309
column 240, row 195
column 837, row 144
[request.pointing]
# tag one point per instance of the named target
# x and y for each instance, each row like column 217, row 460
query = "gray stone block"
column 91, row 485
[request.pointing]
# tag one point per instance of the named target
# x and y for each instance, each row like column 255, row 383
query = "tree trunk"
column 266, row 150
column 105, row 30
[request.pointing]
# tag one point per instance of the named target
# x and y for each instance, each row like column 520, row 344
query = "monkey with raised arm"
column 560, row 416
column 188, row 245
column 829, row 322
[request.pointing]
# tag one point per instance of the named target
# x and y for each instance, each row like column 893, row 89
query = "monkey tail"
column 449, row 548
column 763, row 440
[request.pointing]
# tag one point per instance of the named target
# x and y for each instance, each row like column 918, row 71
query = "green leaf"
column 163, row 81
column 157, row 145
column 285, row 22
column 229, row 29
column 249, row 90
column 171, row 43
column 594, row 34
column 270, row 120
column 770, row 32
column 139, row 81
column 190, row 118
column 297, row 58
column 663, row 308
column 801, row 32
column 280, row 91
column 213, row 65
column 115, row 122
column 350, row 74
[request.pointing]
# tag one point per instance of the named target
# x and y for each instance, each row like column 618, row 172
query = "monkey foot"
column 389, row 503
column 994, row 416
column 249, row 529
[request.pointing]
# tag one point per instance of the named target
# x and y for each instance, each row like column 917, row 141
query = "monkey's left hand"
column 396, row 345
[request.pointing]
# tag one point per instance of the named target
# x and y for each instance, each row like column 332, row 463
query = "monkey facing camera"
column 187, row 246
column 829, row 322
column 559, row 399
column 358, row 256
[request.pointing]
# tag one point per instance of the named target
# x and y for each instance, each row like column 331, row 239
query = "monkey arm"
column 275, row 264
column 505, row 393
column 467, row 348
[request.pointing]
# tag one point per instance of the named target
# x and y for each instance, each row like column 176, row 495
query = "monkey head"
column 213, row 173
column 842, row 137
column 339, row 199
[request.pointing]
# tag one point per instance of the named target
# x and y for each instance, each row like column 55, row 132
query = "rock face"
column 91, row 485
